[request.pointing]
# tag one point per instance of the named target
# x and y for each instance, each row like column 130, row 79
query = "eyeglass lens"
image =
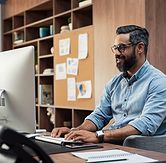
column 120, row 47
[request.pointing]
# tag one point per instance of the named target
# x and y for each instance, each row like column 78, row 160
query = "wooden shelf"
column 45, row 46
column 44, row 22
column 55, row 14
column 61, row 6
column 40, row 12
column 8, row 41
column 79, row 116
column 46, row 106
column 64, row 115
column 28, row 43
column 61, row 20
column 8, row 24
column 44, row 119
column 82, row 17
column 46, row 56
column 44, row 75
column 18, row 20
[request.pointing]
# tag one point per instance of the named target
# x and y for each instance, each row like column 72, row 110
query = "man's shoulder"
column 157, row 79
column 156, row 73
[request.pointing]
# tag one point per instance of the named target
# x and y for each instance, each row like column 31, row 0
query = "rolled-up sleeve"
column 154, row 111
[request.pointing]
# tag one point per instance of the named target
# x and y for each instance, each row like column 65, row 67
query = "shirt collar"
column 138, row 74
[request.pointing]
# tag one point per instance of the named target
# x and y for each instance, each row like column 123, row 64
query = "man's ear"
column 140, row 47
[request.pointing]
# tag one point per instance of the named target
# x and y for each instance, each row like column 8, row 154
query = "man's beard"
column 126, row 63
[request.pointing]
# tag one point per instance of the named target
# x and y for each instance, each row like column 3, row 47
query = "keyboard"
column 59, row 140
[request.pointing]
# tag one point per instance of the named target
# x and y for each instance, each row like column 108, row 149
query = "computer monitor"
column 17, row 89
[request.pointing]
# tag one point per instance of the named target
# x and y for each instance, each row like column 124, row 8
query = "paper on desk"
column 112, row 155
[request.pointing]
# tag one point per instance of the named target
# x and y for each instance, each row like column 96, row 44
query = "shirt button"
column 125, row 100
column 124, row 114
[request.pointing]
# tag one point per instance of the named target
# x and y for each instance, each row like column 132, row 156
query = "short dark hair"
column 136, row 34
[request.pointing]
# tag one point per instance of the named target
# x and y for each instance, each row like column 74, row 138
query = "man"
column 135, row 99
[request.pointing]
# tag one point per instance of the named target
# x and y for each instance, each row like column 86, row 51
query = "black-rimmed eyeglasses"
column 120, row 47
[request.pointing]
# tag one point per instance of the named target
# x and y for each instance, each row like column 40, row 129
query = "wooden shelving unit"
column 53, row 13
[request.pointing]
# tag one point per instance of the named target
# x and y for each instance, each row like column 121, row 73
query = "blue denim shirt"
column 139, row 101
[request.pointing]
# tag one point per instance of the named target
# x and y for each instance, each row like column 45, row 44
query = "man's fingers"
column 54, row 133
column 73, row 135
column 70, row 135
column 58, row 133
column 77, row 138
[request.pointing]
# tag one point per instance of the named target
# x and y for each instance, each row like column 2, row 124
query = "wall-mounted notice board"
column 67, row 46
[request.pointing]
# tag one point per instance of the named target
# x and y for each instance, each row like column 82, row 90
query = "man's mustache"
column 120, row 57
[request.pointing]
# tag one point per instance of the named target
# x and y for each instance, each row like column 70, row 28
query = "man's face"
column 124, row 53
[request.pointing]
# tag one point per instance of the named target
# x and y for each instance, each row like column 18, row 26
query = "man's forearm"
column 87, row 125
column 120, row 134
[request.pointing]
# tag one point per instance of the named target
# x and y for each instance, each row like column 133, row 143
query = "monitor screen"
column 17, row 89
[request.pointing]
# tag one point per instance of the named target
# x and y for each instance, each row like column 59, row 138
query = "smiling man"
column 135, row 99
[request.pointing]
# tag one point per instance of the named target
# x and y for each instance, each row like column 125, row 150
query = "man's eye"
column 121, row 46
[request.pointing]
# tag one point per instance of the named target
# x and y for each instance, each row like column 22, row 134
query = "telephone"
column 13, row 148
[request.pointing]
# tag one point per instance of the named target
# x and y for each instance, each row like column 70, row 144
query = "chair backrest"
column 153, row 143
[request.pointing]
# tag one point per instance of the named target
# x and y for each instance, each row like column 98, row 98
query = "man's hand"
column 83, row 135
column 57, row 132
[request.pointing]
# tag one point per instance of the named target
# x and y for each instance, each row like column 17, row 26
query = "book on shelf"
column 46, row 94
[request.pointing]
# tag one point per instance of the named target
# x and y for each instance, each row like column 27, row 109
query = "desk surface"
column 69, row 158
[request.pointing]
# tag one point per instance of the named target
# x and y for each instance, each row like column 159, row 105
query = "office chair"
column 15, row 148
column 153, row 143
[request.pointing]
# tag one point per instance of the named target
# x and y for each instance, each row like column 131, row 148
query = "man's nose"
column 117, row 54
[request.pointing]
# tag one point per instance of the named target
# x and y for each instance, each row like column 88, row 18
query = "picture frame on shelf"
column 46, row 94
column 18, row 37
